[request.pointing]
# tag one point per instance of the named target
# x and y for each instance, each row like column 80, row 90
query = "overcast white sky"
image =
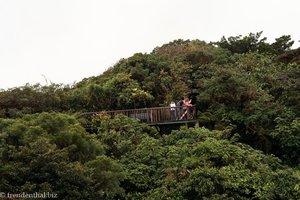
column 68, row 40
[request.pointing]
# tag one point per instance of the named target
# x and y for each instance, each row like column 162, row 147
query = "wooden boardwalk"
column 155, row 115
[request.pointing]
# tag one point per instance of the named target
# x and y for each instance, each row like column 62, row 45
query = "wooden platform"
column 156, row 115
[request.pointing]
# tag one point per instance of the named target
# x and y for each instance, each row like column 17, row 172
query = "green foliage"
column 239, row 44
column 51, row 152
column 120, row 134
column 106, row 175
column 287, row 133
column 130, row 95
column 29, row 99
column 198, row 163
column 282, row 44
column 254, row 43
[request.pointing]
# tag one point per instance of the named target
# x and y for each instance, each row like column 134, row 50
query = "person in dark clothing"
column 180, row 107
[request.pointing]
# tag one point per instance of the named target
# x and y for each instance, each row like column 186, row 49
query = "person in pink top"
column 187, row 103
column 186, row 108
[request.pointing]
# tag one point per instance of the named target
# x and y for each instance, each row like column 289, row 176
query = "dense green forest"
column 247, row 144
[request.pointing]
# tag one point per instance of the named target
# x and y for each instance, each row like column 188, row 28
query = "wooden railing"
column 155, row 115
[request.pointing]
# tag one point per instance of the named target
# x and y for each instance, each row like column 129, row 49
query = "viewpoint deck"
column 156, row 115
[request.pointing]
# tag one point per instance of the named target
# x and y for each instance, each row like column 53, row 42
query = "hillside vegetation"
column 247, row 94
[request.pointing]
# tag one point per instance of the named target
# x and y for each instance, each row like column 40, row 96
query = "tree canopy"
column 246, row 92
